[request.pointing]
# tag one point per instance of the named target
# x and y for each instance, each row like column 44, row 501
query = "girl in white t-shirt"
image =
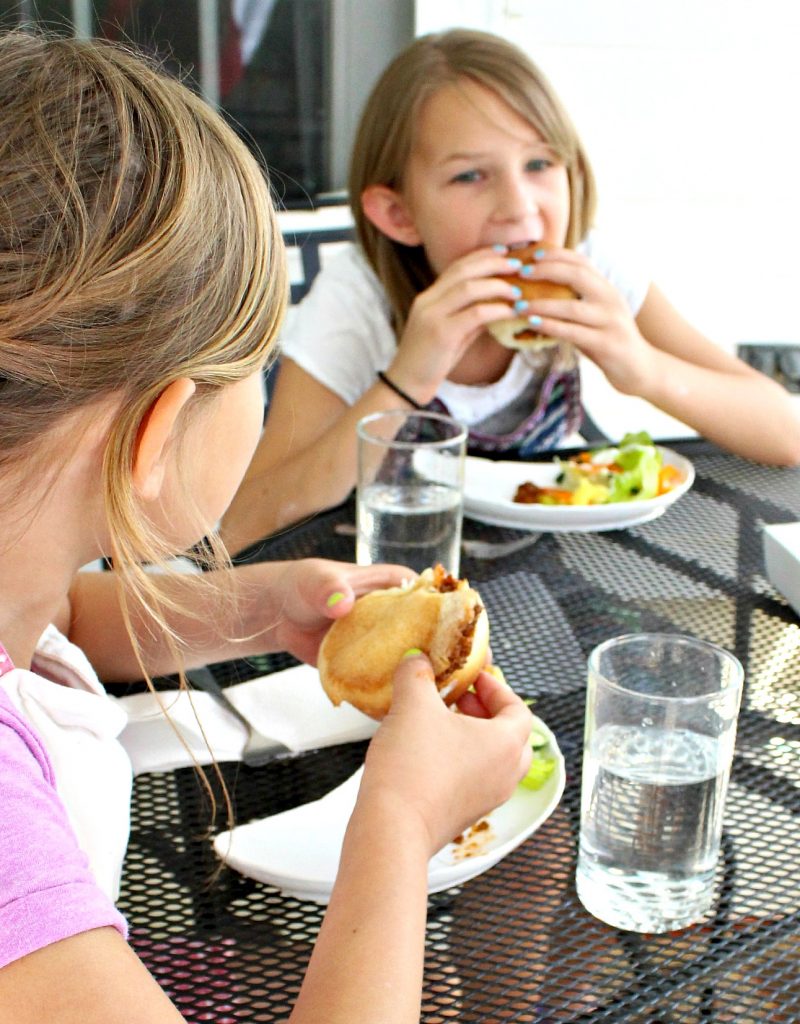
column 462, row 152
column 142, row 280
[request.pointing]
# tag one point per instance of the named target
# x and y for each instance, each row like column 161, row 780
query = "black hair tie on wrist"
column 398, row 391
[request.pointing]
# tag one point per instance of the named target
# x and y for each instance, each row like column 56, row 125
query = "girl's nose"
column 516, row 199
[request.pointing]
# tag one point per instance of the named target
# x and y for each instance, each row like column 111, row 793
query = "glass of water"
column 661, row 714
column 410, row 491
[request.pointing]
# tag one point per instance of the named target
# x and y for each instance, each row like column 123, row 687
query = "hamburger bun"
column 442, row 616
column 517, row 332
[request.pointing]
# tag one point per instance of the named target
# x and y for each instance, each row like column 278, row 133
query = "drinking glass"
column 410, row 491
column 661, row 714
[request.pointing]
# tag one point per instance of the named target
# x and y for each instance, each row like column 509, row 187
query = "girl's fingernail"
column 501, row 249
column 334, row 599
column 534, row 320
column 412, row 652
column 527, row 271
column 516, row 292
column 513, row 263
column 538, row 254
column 520, row 306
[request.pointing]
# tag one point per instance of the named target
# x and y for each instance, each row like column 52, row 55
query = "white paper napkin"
column 782, row 560
column 289, row 706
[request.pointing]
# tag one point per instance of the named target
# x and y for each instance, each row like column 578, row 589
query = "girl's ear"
column 388, row 211
column 156, row 430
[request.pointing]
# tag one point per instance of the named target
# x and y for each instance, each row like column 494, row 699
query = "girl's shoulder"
column 345, row 296
column 21, row 751
column 341, row 332
column 47, row 890
column 347, row 267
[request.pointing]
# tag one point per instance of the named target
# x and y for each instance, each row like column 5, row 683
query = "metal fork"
column 258, row 749
column 490, row 549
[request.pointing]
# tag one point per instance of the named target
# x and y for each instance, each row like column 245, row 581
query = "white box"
column 782, row 560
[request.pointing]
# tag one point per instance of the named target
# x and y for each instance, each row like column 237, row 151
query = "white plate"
column 298, row 850
column 489, row 489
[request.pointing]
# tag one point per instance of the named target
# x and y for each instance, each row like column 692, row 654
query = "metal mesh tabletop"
column 515, row 944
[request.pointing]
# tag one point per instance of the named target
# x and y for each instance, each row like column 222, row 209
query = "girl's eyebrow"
column 538, row 147
column 453, row 157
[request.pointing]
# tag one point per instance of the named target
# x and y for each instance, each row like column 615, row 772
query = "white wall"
column 687, row 109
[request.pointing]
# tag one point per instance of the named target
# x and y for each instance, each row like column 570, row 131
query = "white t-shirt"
column 341, row 332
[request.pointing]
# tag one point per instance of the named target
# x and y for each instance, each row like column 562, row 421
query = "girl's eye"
column 538, row 164
column 467, row 176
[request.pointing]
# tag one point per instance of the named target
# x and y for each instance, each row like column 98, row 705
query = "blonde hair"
column 385, row 137
column 138, row 245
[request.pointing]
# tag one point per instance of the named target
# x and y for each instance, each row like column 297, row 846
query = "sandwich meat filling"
column 445, row 583
column 462, row 647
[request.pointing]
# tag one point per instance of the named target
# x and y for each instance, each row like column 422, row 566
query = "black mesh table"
column 515, row 944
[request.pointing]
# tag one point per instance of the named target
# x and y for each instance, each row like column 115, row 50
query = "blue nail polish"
column 527, row 271
column 501, row 249
column 534, row 320
column 516, row 292
column 514, row 263
column 538, row 254
column 520, row 306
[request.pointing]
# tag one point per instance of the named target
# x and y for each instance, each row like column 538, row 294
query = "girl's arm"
column 660, row 357
column 91, row 978
column 239, row 612
column 716, row 393
column 429, row 774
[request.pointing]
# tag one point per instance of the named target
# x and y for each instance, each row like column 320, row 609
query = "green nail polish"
column 334, row 599
column 412, row 652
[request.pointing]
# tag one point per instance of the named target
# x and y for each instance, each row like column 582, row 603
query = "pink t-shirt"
column 47, row 890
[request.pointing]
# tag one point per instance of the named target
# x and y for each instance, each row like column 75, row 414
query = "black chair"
column 311, row 246
column 779, row 360
column 306, row 251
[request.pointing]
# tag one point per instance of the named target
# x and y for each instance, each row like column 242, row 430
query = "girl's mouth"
column 522, row 244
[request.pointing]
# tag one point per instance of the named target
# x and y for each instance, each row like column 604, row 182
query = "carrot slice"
column 668, row 477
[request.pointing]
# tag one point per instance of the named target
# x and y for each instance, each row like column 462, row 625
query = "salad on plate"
column 633, row 470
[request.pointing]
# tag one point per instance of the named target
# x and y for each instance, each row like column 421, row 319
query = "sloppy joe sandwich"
column 437, row 613
column 517, row 332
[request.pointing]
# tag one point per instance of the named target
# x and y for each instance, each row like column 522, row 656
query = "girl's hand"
column 599, row 323
column 448, row 316
column 447, row 769
column 307, row 595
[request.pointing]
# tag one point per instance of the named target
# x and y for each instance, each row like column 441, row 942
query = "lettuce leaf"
column 539, row 772
column 640, row 461
column 542, row 765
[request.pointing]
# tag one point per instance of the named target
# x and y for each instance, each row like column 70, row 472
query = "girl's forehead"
column 465, row 116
